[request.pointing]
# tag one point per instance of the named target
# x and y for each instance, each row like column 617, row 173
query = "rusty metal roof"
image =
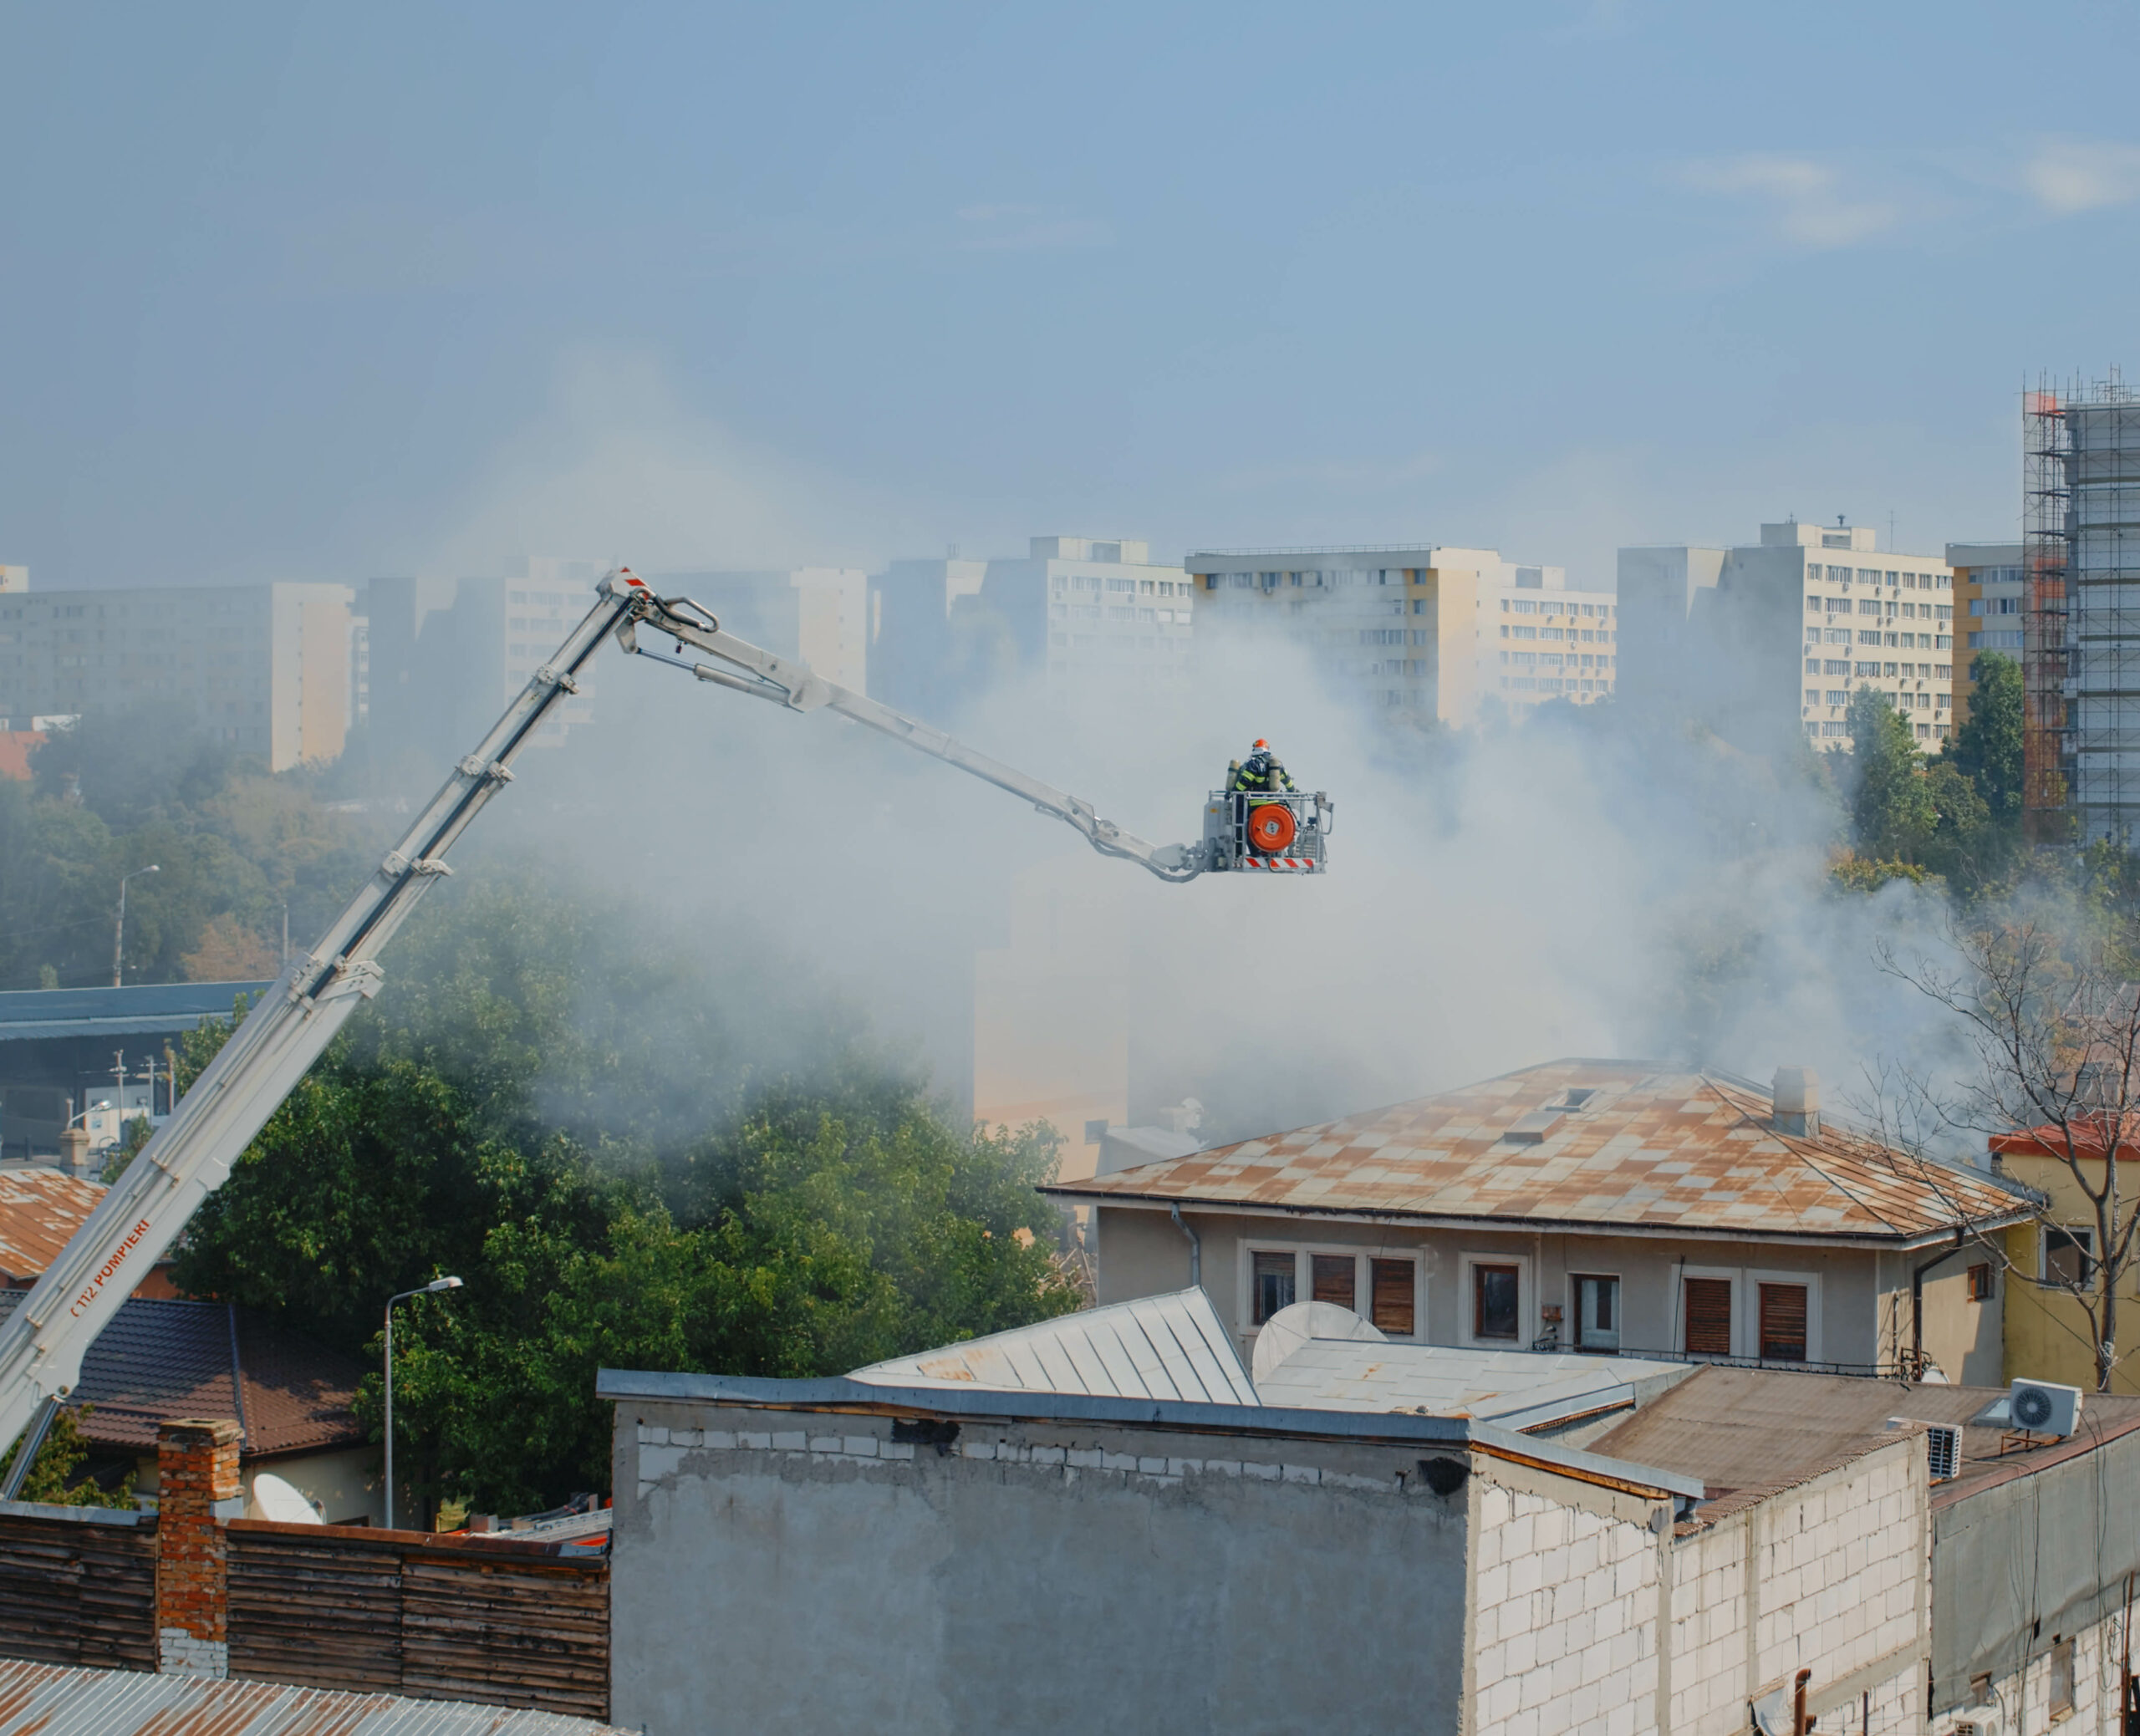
column 43, row 1699
column 39, row 1209
column 1166, row 1347
column 1747, row 1431
column 1650, row 1147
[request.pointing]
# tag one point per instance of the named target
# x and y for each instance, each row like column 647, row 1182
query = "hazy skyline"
column 293, row 292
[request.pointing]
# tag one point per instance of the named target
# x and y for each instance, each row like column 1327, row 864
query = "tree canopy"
column 606, row 1206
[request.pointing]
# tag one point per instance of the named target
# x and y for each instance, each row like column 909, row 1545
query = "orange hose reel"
column 1271, row 828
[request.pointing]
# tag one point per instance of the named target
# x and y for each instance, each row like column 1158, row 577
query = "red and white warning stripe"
column 1278, row 862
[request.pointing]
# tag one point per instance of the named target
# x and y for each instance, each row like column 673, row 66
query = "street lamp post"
column 119, row 938
column 433, row 1288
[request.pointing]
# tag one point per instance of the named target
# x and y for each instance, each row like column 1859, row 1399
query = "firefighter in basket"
column 1262, row 770
column 1271, row 828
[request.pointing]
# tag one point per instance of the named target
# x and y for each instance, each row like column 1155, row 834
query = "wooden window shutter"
column 1336, row 1280
column 1393, row 1297
column 1783, row 1322
column 1708, row 1316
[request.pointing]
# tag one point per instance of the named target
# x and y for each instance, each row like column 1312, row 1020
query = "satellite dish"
column 276, row 1500
column 1290, row 1328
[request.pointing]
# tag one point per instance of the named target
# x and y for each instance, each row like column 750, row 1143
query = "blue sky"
column 317, row 292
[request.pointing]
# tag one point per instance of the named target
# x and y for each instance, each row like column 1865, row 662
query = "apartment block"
column 264, row 668
column 1987, row 610
column 1541, row 641
column 1762, row 638
column 1075, row 611
column 1424, row 633
column 814, row 615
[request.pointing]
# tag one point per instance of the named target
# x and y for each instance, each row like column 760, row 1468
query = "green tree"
column 482, row 1119
column 52, row 1478
column 1987, row 748
column 1892, row 809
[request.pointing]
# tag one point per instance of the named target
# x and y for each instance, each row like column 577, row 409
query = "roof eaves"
column 1900, row 1240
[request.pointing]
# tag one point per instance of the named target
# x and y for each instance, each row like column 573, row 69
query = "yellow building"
column 2048, row 1336
column 1987, row 609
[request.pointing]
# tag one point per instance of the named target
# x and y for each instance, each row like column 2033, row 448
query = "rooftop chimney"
column 1798, row 1101
column 74, row 1151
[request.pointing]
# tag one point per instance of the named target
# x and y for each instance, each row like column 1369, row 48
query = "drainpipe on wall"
column 1195, row 1250
column 1917, row 1306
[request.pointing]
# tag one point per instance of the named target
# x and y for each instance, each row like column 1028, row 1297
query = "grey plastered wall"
column 2019, row 1563
column 777, row 1570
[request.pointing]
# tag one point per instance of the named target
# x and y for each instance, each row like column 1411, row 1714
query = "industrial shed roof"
column 1745, row 1431
column 1610, row 1146
column 1166, row 1347
column 38, row 1014
column 39, row 1209
column 51, row 1700
column 160, row 1360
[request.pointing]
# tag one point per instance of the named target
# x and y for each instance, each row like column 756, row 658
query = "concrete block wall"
column 2019, row 1699
column 1565, row 1599
column 1833, row 1575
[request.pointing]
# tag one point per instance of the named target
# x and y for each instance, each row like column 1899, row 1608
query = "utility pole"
column 119, row 934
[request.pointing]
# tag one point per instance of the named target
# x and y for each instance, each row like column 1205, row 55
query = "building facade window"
column 2069, row 1255
column 1596, row 1312
column 1274, row 1285
column 1496, row 1301
column 1981, row 1281
column 1783, row 1322
column 1707, row 1312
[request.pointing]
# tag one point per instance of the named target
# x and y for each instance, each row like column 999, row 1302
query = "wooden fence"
column 509, row 1624
column 78, row 1587
column 437, row 1618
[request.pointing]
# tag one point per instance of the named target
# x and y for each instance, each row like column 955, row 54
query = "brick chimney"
column 1797, row 1092
column 74, row 1151
column 197, row 1489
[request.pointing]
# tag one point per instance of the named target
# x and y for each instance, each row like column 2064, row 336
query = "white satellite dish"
column 276, row 1500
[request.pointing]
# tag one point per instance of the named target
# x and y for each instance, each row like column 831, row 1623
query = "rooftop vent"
column 1531, row 1129
column 1797, row 1092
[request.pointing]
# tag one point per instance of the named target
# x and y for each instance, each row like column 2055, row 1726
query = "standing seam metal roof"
column 1164, row 1347
column 1650, row 1146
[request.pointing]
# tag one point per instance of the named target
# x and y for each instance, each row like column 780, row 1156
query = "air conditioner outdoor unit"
column 2044, row 1407
column 1944, row 1445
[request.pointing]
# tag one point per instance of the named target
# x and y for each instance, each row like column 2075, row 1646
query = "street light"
column 119, row 939
column 433, row 1288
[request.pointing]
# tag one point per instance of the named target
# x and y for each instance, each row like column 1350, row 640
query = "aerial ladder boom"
column 44, row 1340
column 764, row 675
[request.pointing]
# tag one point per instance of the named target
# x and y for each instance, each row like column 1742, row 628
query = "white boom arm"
column 44, row 1340
column 769, row 677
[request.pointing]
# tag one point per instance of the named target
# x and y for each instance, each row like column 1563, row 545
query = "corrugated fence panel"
column 74, row 1592
column 334, row 1606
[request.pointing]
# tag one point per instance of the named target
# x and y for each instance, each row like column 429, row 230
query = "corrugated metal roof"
column 1168, row 1347
column 1745, row 1431
column 27, row 1014
column 157, row 1360
column 43, row 1699
column 1651, row 1148
column 39, row 1209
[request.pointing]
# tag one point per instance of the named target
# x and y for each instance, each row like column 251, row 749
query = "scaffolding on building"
column 2081, row 630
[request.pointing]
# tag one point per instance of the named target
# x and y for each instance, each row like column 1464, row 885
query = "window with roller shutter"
column 1783, row 1322
column 1708, row 1316
column 1394, row 1297
column 1337, row 1280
